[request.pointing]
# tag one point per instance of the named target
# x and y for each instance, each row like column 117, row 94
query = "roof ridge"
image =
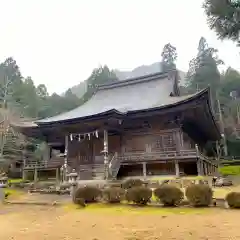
column 135, row 80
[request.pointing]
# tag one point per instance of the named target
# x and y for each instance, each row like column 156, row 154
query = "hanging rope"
column 82, row 136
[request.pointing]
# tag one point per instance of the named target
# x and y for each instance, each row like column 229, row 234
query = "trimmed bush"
column 169, row 195
column 88, row 194
column 132, row 183
column 199, row 195
column 113, row 195
column 233, row 199
column 139, row 195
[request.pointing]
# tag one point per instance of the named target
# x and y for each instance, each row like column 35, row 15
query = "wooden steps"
column 91, row 171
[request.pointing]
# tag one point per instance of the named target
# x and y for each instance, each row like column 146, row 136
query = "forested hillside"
column 21, row 98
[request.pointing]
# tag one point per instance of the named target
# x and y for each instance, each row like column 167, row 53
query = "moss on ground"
column 230, row 170
column 133, row 209
column 13, row 193
column 16, row 180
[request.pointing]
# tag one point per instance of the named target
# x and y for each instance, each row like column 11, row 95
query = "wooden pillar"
column 66, row 150
column 199, row 161
column 177, row 168
column 65, row 166
column 57, row 176
column 178, row 141
column 199, row 167
column 105, row 151
column 205, row 168
column 24, row 175
column 24, row 164
column 144, row 170
column 35, row 174
column 46, row 155
column 215, row 169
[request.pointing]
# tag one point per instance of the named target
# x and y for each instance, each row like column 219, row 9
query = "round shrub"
column 139, row 195
column 113, row 195
column 233, row 199
column 132, row 183
column 88, row 194
column 199, row 195
column 169, row 195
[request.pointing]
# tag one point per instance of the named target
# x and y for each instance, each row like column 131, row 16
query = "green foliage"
column 203, row 71
column 113, row 195
column 129, row 183
column 223, row 17
column 169, row 195
column 139, row 195
column 229, row 170
column 88, row 193
column 233, row 199
column 20, row 96
column 101, row 75
column 169, row 57
column 34, row 101
column 199, row 195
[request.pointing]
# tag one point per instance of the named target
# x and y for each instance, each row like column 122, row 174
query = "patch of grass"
column 230, row 170
column 127, row 209
column 13, row 193
column 160, row 178
column 16, row 180
column 223, row 191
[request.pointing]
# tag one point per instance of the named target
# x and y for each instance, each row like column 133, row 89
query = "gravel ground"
column 49, row 223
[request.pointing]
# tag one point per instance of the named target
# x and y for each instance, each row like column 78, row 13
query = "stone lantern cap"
column 4, row 179
column 73, row 174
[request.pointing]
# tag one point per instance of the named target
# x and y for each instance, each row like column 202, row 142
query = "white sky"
column 59, row 42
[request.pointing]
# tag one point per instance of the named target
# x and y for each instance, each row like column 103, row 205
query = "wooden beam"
column 105, row 152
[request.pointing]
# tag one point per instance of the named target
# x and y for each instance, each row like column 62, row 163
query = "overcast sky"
column 59, row 42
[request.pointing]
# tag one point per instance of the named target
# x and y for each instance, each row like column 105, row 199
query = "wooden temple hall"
column 137, row 127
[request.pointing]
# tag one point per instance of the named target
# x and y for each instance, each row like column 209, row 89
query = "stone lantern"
column 72, row 179
column 3, row 182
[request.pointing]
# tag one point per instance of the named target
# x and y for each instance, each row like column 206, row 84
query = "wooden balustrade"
column 157, row 155
column 51, row 163
column 88, row 163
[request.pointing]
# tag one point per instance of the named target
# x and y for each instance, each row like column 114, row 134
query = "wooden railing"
column 91, row 171
column 114, row 165
column 51, row 163
column 115, row 160
column 148, row 156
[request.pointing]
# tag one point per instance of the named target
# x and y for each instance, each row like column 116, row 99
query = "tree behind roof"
column 224, row 17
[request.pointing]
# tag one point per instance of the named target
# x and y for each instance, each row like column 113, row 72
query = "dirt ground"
column 51, row 223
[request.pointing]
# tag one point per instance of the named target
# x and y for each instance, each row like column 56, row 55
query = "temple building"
column 137, row 127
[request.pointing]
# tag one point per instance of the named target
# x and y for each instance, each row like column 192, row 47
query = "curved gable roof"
column 124, row 96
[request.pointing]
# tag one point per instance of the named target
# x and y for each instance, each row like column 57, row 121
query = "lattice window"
column 168, row 140
column 164, row 143
column 136, row 144
column 159, row 143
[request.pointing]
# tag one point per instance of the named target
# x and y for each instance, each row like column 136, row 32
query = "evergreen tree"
column 99, row 76
column 169, row 57
column 224, row 17
column 203, row 70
